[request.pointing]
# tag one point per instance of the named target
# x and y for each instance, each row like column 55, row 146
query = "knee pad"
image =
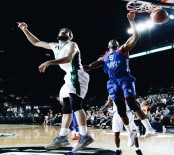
column 121, row 107
column 75, row 102
column 132, row 104
column 66, row 107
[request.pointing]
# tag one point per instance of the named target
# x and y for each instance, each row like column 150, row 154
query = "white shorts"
column 68, row 87
column 117, row 124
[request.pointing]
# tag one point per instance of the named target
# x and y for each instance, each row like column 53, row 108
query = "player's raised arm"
column 130, row 43
column 33, row 39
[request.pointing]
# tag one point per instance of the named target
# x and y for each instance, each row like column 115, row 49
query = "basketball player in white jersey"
column 117, row 126
column 67, row 56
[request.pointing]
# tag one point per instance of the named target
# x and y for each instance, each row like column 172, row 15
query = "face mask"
column 63, row 38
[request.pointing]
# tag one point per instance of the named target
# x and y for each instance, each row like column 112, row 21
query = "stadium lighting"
column 152, row 51
column 129, row 31
column 142, row 26
column 149, row 24
column 171, row 16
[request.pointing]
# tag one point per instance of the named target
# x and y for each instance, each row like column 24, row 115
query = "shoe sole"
column 92, row 140
column 150, row 135
column 57, row 146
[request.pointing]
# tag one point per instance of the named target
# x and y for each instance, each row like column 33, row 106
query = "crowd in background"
column 158, row 108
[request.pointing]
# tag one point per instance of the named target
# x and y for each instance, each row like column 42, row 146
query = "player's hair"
column 114, row 40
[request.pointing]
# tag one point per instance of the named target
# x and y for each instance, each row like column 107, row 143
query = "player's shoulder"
column 72, row 43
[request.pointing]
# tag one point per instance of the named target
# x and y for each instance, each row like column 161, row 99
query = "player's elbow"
column 136, row 36
column 68, row 59
column 35, row 43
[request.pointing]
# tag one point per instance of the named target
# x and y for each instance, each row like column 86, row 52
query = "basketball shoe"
column 83, row 142
column 58, row 142
column 118, row 152
column 131, row 139
column 149, row 133
column 138, row 152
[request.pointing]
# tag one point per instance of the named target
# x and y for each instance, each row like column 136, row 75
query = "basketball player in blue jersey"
column 74, row 127
column 121, row 85
column 67, row 56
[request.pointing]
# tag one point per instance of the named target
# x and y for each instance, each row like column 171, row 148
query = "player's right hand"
column 22, row 25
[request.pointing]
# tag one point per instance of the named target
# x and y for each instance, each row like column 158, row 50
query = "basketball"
column 159, row 16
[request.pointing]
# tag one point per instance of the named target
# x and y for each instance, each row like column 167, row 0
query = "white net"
column 140, row 7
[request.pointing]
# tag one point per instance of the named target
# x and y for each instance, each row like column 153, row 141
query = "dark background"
column 94, row 23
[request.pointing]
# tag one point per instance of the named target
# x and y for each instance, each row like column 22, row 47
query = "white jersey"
column 76, row 79
column 117, row 123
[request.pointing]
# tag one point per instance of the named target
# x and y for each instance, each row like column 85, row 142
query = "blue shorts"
column 119, row 88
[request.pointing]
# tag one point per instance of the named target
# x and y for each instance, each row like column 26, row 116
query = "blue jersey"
column 120, row 84
column 116, row 64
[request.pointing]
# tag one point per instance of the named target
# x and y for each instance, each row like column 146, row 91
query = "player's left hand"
column 43, row 67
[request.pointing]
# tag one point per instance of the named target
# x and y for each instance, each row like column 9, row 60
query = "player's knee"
column 66, row 108
column 121, row 107
column 75, row 102
column 122, row 113
column 132, row 104
column 76, row 107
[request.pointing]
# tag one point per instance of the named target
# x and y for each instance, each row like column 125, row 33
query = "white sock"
column 77, row 133
column 127, row 127
column 63, row 132
column 146, row 124
column 83, row 130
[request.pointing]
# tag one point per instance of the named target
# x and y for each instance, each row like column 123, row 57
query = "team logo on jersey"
column 113, row 64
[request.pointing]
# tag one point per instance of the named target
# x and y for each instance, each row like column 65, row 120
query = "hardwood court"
column 41, row 135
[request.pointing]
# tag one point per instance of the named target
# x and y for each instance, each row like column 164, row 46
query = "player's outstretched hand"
column 22, row 25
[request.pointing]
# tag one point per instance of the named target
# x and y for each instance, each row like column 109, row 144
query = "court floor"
column 40, row 135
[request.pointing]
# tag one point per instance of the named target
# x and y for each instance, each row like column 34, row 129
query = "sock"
column 77, row 133
column 127, row 127
column 83, row 130
column 146, row 124
column 63, row 132
column 137, row 148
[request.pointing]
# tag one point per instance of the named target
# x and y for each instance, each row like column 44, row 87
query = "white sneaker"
column 150, row 133
column 131, row 139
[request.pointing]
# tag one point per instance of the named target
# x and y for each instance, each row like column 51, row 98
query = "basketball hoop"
column 141, row 7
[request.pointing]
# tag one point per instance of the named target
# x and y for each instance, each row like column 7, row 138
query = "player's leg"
column 75, row 132
column 129, row 92
column 62, row 138
column 117, row 127
column 135, row 129
column 85, row 137
column 116, row 95
column 140, row 114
